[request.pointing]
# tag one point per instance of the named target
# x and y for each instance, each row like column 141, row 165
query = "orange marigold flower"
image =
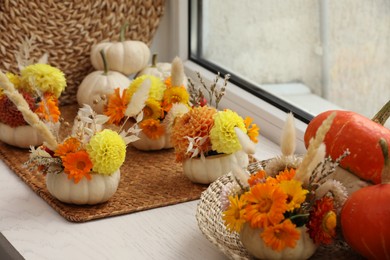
column 252, row 130
column 280, row 236
column 257, row 177
column 234, row 215
column 48, row 108
column 152, row 128
column 322, row 221
column 168, row 82
column 266, row 205
column 77, row 165
column 195, row 123
column 286, row 175
column 70, row 145
column 116, row 106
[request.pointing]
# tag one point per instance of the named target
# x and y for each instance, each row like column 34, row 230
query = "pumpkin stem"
column 105, row 66
column 386, row 167
column 383, row 114
column 122, row 32
column 154, row 60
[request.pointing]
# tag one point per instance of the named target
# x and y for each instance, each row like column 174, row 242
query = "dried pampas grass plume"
column 288, row 143
column 29, row 116
column 177, row 72
column 303, row 172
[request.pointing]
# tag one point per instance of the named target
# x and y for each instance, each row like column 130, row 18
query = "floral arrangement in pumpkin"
column 290, row 192
column 88, row 149
column 204, row 130
column 166, row 100
column 40, row 85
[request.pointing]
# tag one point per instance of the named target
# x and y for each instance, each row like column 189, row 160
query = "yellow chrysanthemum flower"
column 234, row 215
column 156, row 89
column 152, row 109
column 107, row 151
column 14, row 79
column 44, row 77
column 222, row 135
column 296, row 195
column 175, row 95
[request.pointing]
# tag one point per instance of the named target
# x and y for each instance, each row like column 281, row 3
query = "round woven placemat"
column 67, row 30
column 209, row 217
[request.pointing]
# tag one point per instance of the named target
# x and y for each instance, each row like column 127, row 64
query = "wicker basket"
column 209, row 217
column 66, row 30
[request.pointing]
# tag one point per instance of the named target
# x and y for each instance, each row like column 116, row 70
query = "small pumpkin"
column 162, row 70
column 99, row 84
column 366, row 213
column 360, row 135
column 21, row 136
column 254, row 244
column 147, row 144
column 212, row 167
column 86, row 192
column 125, row 56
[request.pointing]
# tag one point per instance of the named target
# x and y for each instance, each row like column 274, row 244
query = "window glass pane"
column 335, row 52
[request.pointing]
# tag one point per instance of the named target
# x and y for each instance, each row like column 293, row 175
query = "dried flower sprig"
column 23, row 56
column 213, row 91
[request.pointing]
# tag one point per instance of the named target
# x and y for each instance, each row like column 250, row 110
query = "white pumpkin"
column 213, row 167
column 147, row 144
column 21, row 136
column 97, row 190
column 161, row 70
column 126, row 57
column 98, row 84
column 254, row 244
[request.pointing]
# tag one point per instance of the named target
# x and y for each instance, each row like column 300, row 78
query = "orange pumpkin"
column 365, row 217
column 360, row 135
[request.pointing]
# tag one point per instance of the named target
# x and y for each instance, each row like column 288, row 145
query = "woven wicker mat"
column 148, row 180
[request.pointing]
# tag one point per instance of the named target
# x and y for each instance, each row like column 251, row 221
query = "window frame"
column 269, row 115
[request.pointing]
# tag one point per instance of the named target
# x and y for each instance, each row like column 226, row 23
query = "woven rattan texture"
column 148, row 180
column 67, row 30
column 209, row 217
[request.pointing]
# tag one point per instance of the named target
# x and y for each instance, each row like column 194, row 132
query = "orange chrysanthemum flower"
column 9, row 114
column 195, row 123
column 70, row 145
column 48, row 108
column 77, row 165
column 280, row 236
column 252, row 130
column 152, row 128
column 256, row 178
column 266, row 205
column 116, row 106
column 322, row 221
